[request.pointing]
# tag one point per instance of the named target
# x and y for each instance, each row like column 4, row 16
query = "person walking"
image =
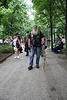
column 34, row 43
column 26, row 43
column 19, row 38
column 16, row 45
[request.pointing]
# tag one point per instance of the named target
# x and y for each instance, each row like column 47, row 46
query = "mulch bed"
column 3, row 57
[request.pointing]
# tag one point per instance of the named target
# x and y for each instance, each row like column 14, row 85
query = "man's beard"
column 35, row 32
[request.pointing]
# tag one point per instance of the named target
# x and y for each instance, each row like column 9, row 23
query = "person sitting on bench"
column 58, row 46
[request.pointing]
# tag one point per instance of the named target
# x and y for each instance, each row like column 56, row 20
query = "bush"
column 6, row 48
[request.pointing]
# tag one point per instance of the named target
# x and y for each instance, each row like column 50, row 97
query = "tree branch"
column 60, row 9
column 4, row 4
column 59, row 17
column 62, row 5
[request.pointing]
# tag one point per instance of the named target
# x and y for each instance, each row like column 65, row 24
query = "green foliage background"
column 42, row 15
column 13, row 14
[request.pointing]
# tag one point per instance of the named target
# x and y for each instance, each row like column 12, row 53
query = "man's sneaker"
column 30, row 68
column 37, row 66
column 17, row 57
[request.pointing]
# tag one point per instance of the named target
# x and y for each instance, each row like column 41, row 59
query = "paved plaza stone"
column 18, row 83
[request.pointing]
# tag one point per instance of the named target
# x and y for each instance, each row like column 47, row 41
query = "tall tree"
column 4, row 3
column 56, row 17
column 12, row 18
column 66, row 28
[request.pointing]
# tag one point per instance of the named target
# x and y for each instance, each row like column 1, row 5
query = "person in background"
column 26, row 43
column 57, row 38
column 42, row 47
column 19, row 38
column 11, row 39
column 45, row 42
column 58, row 46
column 16, row 44
column 63, row 40
column 34, row 43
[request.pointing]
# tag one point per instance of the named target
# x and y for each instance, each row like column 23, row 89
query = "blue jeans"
column 35, row 50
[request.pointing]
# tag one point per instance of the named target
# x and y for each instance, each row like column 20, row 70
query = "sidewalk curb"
column 4, row 58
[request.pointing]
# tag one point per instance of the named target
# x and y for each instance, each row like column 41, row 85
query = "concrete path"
column 17, row 83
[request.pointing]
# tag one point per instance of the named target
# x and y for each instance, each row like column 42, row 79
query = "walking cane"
column 44, row 56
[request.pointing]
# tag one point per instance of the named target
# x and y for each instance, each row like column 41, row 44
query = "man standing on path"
column 35, row 38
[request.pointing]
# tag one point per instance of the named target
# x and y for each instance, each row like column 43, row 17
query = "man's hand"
column 57, row 45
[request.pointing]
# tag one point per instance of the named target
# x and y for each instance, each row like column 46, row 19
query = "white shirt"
column 14, row 42
column 63, row 40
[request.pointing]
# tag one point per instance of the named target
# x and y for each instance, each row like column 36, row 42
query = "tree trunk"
column 66, row 29
column 54, row 37
column 51, row 28
column 51, row 35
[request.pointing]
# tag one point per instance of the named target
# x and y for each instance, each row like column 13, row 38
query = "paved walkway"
column 17, row 83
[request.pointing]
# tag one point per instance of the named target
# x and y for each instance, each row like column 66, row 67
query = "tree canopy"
column 42, row 15
column 50, row 16
column 12, row 16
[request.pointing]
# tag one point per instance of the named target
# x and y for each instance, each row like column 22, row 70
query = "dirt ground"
column 61, row 59
column 4, row 56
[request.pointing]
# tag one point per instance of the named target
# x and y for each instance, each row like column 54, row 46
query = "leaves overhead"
column 42, row 15
column 13, row 17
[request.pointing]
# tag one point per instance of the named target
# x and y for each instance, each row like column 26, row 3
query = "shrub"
column 6, row 48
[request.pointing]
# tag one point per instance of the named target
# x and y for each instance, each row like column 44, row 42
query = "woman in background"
column 16, row 45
